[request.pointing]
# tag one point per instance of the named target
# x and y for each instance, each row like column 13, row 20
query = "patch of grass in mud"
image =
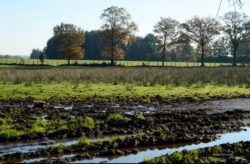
column 110, row 139
column 80, row 121
column 225, row 153
column 83, row 141
column 10, row 133
column 59, row 146
column 7, row 129
column 141, row 117
column 106, row 92
column 10, row 128
column 116, row 118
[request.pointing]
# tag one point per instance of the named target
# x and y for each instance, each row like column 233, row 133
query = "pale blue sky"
column 28, row 24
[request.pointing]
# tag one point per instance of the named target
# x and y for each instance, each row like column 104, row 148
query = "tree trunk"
column 68, row 61
column 112, row 49
column 164, row 53
column 163, row 59
column 202, row 56
column 234, row 58
column 112, row 56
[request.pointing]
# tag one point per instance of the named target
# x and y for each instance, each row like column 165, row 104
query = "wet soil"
column 151, row 151
column 224, row 153
column 164, row 124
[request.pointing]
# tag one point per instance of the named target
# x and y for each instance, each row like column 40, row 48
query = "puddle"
column 152, row 152
column 44, row 118
column 33, row 160
column 30, row 106
column 217, row 105
column 63, row 107
column 86, row 106
column 116, row 106
column 10, row 148
column 130, row 113
column 68, row 107
column 144, row 152
column 210, row 106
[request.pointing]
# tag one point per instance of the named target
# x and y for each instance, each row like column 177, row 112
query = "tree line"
column 197, row 39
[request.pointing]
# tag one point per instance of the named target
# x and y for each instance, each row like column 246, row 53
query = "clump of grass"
column 2, row 121
column 160, row 132
column 116, row 118
column 59, row 146
column 88, row 122
column 10, row 133
column 80, row 121
column 83, row 141
column 141, row 117
column 139, row 136
column 217, row 149
column 38, row 126
column 176, row 157
column 129, row 87
column 110, row 139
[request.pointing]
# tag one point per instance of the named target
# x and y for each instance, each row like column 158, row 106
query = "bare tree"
column 116, row 30
column 201, row 31
column 235, row 3
column 237, row 29
column 166, row 31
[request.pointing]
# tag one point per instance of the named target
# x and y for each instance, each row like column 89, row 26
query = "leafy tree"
column 68, row 39
column 50, row 49
column 142, row 48
column 35, row 54
column 166, row 32
column 237, row 29
column 118, row 52
column 149, row 44
column 184, row 52
column 244, row 48
column 220, row 47
column 91, row 45
column 116, row 30
column 42, row 57
column 201, row 31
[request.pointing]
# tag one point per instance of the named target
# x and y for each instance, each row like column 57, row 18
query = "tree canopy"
column 166, row 32
column 237, row 29
column 68, row 39
column 116, row 30
column 201, row 31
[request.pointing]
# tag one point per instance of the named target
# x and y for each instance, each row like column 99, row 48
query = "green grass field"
column 65, row 91
column 130, row 83
column 53, row 62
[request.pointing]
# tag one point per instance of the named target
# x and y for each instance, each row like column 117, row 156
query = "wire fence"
column 58, row 62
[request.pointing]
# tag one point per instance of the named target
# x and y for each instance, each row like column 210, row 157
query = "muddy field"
column 123, row 132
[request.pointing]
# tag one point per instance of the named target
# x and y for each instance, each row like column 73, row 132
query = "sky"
column 28, row 24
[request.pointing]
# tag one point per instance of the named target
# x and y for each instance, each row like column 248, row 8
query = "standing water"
column 149, row 153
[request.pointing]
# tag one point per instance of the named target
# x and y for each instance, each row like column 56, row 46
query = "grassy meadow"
column 172, row 83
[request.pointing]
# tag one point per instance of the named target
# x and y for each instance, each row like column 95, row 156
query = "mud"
column 224, row 153
column 152, row 152
column 163, row 124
